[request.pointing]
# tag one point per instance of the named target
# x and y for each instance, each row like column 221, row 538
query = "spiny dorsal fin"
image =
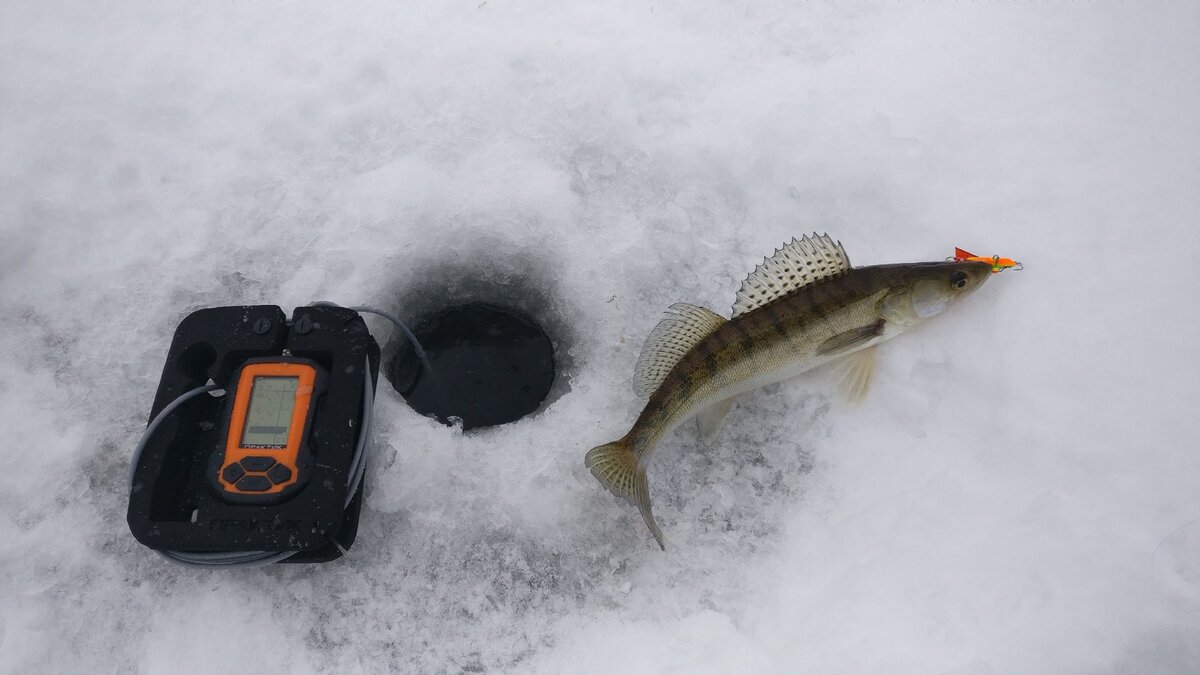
column 796, row 265
column 685, row 326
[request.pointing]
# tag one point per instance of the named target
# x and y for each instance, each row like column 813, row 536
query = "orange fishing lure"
column 998, row 264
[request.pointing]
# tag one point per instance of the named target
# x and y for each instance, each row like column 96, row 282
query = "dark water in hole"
column 491, row 365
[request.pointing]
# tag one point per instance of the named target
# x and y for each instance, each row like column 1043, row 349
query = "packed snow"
column 1019, row 493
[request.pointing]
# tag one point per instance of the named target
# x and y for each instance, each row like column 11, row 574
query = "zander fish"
column 803, row 307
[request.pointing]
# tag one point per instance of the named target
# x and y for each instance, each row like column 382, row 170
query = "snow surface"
column 1020, row 492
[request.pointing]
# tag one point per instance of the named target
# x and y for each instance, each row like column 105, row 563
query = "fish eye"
column 959, row 280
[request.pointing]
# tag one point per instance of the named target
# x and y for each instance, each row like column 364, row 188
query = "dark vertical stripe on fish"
column 745, row 340
column 704, row 355
column 774, row 320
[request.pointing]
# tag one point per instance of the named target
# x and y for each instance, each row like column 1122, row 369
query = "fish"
column 803, row 307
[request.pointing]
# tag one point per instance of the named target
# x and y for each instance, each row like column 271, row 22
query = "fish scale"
column 803, row 307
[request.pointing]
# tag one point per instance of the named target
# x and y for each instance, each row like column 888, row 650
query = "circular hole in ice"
column 491, row 365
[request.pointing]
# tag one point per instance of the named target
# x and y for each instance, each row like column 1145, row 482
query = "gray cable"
column 395, row 321
column 162, row 415
column 358, row 466
column 209, row 560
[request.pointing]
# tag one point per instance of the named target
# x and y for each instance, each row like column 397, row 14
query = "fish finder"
column 265, row 456
column 256, row 448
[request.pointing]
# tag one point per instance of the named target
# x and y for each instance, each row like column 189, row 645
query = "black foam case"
column 171, row 504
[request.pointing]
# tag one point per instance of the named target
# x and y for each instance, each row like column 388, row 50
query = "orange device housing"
column 248, row 469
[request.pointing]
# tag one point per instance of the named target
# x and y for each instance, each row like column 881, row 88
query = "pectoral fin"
column 854, row 374
column 711, row 419
column 855, row 337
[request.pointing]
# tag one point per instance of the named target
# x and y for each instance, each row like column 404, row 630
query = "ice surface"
column 1019, row 493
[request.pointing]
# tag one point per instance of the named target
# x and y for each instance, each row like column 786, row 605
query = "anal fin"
column 711, row 419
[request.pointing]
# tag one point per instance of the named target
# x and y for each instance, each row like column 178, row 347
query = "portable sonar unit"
column 256, row 447
column 265, row 458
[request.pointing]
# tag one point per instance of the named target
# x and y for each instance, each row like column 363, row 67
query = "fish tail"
column 617, row 468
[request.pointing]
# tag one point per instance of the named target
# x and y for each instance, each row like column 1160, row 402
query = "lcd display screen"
column 269, row 418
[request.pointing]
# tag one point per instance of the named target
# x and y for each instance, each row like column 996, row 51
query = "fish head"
column 926, row 290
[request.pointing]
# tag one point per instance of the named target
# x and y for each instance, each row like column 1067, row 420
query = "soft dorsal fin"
column 796, row 265
column 685, row 326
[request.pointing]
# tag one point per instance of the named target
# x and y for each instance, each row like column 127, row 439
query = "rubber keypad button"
column 258, row 463
column 254, row 484
column 279, row 474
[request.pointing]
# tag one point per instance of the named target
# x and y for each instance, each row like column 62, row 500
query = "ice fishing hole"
column 491, row 365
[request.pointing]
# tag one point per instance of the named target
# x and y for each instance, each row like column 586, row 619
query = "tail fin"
column 616, row 466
